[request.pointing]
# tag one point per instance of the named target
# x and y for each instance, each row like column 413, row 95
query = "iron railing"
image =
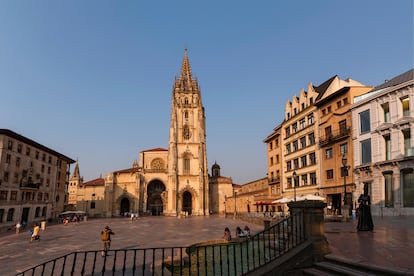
column 236, row 257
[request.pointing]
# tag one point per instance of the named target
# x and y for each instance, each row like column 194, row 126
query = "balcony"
column 334, row 136
column 29, row 186
column 273, row 180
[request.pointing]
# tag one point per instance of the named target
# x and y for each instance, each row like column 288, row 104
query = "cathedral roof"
column 155, row 149
column 96, row 182
column 130, row 170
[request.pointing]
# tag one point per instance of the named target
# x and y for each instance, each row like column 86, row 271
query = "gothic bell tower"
column 187, row 156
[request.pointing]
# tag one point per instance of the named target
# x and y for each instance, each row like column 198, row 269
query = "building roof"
column 155, row 149
column 12, row 134
column 130, row 170
column 404, row 77
column 96, row 182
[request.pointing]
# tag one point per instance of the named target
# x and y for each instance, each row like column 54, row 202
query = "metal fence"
column 236, row 257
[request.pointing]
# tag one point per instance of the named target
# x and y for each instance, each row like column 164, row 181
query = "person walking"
column 18, row 225
column 106, row 240
column 35, row 234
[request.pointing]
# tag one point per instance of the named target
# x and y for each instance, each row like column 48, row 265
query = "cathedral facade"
column 171, row 181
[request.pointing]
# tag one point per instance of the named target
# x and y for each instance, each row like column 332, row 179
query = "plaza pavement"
column 391, row 244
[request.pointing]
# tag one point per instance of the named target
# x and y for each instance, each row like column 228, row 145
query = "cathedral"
column 167, row 182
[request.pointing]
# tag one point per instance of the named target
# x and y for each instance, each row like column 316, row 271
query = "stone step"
column 335, row 265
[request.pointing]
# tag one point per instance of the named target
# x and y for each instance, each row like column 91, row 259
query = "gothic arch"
column 188, row 198
column 155, row 197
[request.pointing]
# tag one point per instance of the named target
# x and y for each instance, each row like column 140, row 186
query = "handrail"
column 236, row 257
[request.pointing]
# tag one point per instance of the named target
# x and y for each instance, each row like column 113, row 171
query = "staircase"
column 335, row 265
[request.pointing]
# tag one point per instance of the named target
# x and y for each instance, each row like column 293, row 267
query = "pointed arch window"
column 186, row 165
column 186, row 101
column 186, row 114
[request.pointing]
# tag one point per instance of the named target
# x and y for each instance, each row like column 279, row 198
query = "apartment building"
column 382, row 133
column 299, row 145
column 335, row 142
column 33, row 180
column 274, row 163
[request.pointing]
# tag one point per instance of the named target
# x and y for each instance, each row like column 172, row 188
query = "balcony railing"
column 333, row 136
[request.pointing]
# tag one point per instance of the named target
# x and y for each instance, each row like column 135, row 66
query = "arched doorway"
column 125, row 208
column 154, row 203
column 187, row 202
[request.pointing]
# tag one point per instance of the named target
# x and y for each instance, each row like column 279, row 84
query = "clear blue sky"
column 93, row 79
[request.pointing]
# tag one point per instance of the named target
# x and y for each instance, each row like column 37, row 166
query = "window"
column 277, row 159
column 329, row 174
column 323, row 112
column 43, row 211
column 8, row 158
column 345, row 100
column 10, row 145
column 19, row 148
column 366, row 151
column 288, row 148
column 329, row 109
column 287, row 131
column 304, row 179
column 270, row 146
column 387, row 142
column 50, row 159
column 294, row 127
column 18, row 162
column 311, row 138
column 338, row 104
column 10, row 214
column 342, row 127
column 43, row 157
column 313, row 178
column 271, row 161
column 37, row 213
column 13, row 195
column 27, row 151
column 186, row 114
column 289, row 165
column 303, row 161
column 295, row 111
column 408, row 187
column 343, row 148
column 364, row 121
column 407, row 143
column 303, row 142
column 92, row 205
column 329, row 153
column 405, row 106
column 6, row 176
column 328, row 133
column 39, row 196
column 312, row 158
column 3, row 195
column 311, row 119
column 186, row 165
column 302, row 124
column 289, row 182
column 295, row 145
column 386, row 111
column 303, row 106
column 37, row 155
column 311, row 100
column 296, row 163
column 389, row 190
column 277, row 143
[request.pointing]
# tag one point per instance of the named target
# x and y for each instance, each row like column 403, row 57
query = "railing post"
column 313, row 224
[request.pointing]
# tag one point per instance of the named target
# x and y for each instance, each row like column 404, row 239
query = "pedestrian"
column 106, row 240
column 227, row 234
column 18, row 225
column 35, row 234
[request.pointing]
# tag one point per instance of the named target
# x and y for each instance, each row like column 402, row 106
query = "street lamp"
column 345, row 172
column 294, row 185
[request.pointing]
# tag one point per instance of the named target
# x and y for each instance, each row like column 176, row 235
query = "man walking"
column 106, row 239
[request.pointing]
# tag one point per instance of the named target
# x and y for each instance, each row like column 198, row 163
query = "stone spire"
column 186, row 82
column 76, row 173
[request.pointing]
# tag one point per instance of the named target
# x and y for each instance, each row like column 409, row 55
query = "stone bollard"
column 313, row 219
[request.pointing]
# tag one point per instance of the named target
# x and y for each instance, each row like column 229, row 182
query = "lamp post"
column 345, row 172
column 294, row 185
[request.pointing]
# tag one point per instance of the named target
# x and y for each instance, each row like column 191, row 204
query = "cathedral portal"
column 155, row 204
column 125, row 206
column 187, row 202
